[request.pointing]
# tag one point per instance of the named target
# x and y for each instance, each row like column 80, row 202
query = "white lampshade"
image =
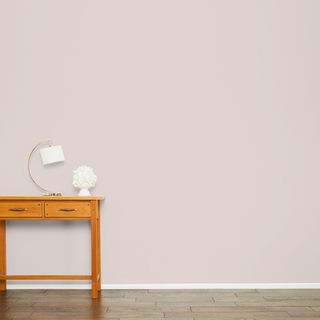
column 52, row 154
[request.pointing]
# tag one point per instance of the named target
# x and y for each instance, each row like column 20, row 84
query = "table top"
column 53, row 198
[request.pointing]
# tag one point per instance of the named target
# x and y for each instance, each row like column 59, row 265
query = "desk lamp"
column 49, row 155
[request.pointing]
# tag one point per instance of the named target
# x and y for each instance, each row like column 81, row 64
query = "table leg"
column 94, row 256
column 98, row 247
column 3, row 264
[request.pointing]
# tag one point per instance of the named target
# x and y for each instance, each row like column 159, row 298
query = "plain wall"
column 200, row 119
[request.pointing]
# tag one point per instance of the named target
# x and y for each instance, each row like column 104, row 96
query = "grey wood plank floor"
column 161, row 304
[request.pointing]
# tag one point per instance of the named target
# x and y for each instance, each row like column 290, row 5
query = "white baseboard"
column 214, row 286
column 70, row 286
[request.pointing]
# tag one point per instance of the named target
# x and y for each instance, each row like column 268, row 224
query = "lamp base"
column 53, row 194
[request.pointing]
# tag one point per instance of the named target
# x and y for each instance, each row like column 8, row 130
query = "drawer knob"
column 67, row 209
column 18, row 209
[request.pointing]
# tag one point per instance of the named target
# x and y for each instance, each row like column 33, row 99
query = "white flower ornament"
column 84, row 178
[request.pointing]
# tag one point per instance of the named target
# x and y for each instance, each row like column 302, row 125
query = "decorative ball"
column 84, row 178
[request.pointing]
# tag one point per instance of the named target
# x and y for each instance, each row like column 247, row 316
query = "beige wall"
column 201, row 120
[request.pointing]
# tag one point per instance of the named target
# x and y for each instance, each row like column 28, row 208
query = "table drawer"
column 20, row 209
column 68, row 209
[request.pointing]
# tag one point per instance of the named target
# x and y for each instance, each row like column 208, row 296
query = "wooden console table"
column 52, row 208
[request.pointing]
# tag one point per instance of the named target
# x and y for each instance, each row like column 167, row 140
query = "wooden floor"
column 161, row 304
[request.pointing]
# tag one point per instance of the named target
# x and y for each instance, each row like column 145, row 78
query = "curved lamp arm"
column 36, row 147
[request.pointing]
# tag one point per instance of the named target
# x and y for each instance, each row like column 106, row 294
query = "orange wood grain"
column 3, row 263
column 23, row 209
column 98, row 245
column 52, row 198
column 67, row 209
column 46, row 277
column 94, row 250
column 53, row 208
